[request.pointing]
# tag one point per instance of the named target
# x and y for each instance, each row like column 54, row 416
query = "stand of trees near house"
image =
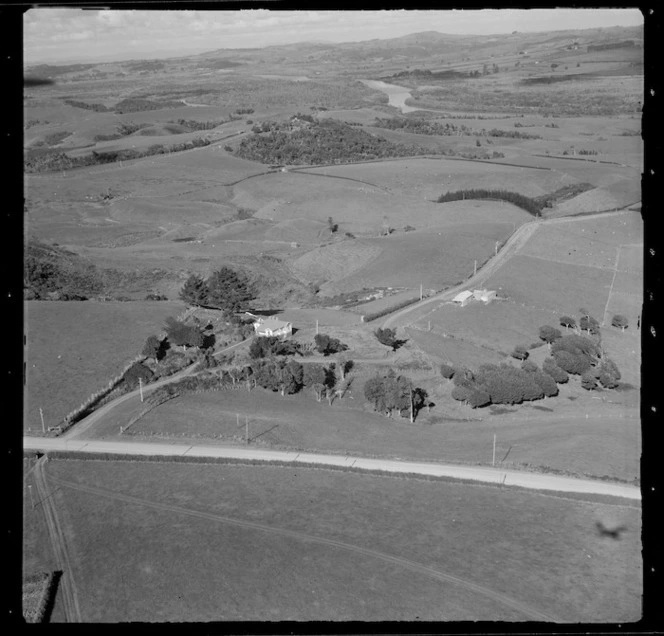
column 225, row 289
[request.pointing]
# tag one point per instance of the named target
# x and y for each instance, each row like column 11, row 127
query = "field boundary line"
column 58, row 544
column 615, row 273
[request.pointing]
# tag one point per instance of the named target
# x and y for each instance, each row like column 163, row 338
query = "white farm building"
column 463, row 298
column 272, row 327
column 484, row 295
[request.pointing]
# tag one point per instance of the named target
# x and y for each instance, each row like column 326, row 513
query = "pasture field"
column 452, row 350
column 435, row 257
column 73, row 349
column 430, row 177
column 553, row 434
column 521, row 280
column 563, row 267
column 499, row 326
column 161, row 542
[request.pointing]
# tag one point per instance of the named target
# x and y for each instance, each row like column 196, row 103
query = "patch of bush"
column 520, row 352
column 328, row 345
column 559, row 375
column 300, row 141
column 447, row 371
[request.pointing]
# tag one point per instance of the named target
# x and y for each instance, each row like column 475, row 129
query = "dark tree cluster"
column 425, row 127
column 328, row 345
column 183, row 335
column 531, row 206
column 225, row 289
column 327, row 141
column 35, row 161
column 395, row 393
column 388, row 337
column 268, row 346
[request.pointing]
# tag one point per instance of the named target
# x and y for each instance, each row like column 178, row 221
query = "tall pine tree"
column 194, row 291
column 228, row 290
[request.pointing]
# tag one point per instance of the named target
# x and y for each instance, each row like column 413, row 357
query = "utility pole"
column 41, row 414
column 32, row 501
column 411, row 403
column 497, row 242
column 140, row 387
column 246, row 430
column 493, row 463
column 475, row 271
column 420, row 291
column 316, row 326
column 237, row 419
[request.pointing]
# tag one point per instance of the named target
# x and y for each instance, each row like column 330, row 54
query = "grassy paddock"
column 74, row 349
column 449, row 433
column 203, row 543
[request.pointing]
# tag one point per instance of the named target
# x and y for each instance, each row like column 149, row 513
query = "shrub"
column 578, row 345
column 447, row 371
column 478, row 398
column 545, row 382
column 520, row 352
column 135, row 372
column 327, row 345
column 619, row 321
column 529, row 365
column 549, row 334
column 568, row 322
column 559, row 375
column 589, row 324
column 462, row 393
column 571, row 363
column 608, row 374
column 588, row 381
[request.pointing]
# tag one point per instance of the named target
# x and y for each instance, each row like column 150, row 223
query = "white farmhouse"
column 463, row 298
column 272, row 327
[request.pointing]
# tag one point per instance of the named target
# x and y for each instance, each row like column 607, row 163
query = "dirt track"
column 58, row 544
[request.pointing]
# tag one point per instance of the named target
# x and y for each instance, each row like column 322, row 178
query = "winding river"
column 397, row 95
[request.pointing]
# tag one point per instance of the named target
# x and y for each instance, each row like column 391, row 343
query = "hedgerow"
column 532, row 206
column 390, row 309
column 57, row 161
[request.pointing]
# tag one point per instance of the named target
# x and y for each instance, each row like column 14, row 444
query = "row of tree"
column 391, row 393
column 425, row 127
column 532, row 206
column 55, row 161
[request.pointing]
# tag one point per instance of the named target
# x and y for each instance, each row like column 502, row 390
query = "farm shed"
column 463, row 298
column 484, row 295
column 272, row 327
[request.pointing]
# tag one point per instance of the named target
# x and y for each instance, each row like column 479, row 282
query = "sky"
column 75, row 35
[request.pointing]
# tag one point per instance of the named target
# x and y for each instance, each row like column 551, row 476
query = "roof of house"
column 272, row 323
column 462, row 296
